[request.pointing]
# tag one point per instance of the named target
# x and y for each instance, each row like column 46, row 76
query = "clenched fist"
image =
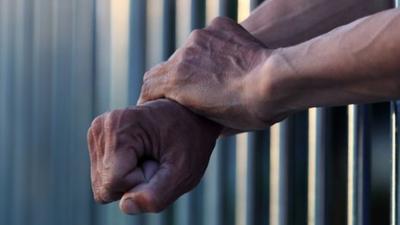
column 148, row 155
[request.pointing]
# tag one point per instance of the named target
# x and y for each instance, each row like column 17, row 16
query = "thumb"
column 153, row 196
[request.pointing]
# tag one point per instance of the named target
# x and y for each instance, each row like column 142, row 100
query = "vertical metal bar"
column 244, row 182
column 42, row 45
column 279, row 150
column 119, row 53
column 4, row 173
column 358, row 166
column 137, row 51
column 352, row 167
column 259, row 143
column 102, row 51
column 6, row 115
column 82, row 99
column 395, row 199
column 212, row 194
column 316, row 166
column 61, row 63
column 228, row 8
column 22, row 104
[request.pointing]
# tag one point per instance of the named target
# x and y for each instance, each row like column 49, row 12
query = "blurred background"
column 64, row 62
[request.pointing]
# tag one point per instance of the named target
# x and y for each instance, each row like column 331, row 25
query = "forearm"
column 356, row 63
column 279, row 23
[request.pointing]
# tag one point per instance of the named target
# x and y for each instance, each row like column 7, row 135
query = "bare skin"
column 224, row 74
column 148, row 156
column 152, row 154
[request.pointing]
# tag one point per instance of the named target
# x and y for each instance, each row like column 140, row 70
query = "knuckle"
column 107, row 193
column 156, row 70
column 194, row 34
column 96, row 123
column 221, row 21
column 147, row 75
column 186, row 54
column 144, row 91
column 217, row 21
column 197, row 35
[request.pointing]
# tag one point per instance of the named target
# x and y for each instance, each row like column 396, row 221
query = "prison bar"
column 359, row 170
column 279, row 180
column 317, row 124
column 395, row 110
column 6, row 115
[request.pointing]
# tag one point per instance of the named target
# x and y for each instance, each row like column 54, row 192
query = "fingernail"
column 130, row 207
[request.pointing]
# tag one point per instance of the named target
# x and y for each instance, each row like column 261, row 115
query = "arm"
column 280, row 23
column 356, row 63
column 228, row 76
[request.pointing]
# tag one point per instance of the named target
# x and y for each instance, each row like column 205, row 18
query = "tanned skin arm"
column 230, row 74
column 356, row 63
column 281, row 23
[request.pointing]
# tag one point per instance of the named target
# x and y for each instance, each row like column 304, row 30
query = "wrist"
column 277, row 88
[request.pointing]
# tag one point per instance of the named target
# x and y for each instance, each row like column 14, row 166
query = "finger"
column 153, row 88
column 139, row 175
column 114, row 190
column 154, row 196
column 120, row 172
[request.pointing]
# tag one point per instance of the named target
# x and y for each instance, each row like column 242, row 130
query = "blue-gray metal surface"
column 359, row 168
column 6, row 113
column 317, row 125
column 395, row 197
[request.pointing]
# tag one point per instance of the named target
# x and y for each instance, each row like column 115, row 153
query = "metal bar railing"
column 21, row 57
column 81, row 93
column 317, row 125
column 137, row 51
column 395, row 197
column 41, row 109
column 279, row 150
column 6, row 116
column 358, row 166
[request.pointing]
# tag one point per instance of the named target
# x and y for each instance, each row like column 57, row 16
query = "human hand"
column 222, row 73
column 148, row 155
